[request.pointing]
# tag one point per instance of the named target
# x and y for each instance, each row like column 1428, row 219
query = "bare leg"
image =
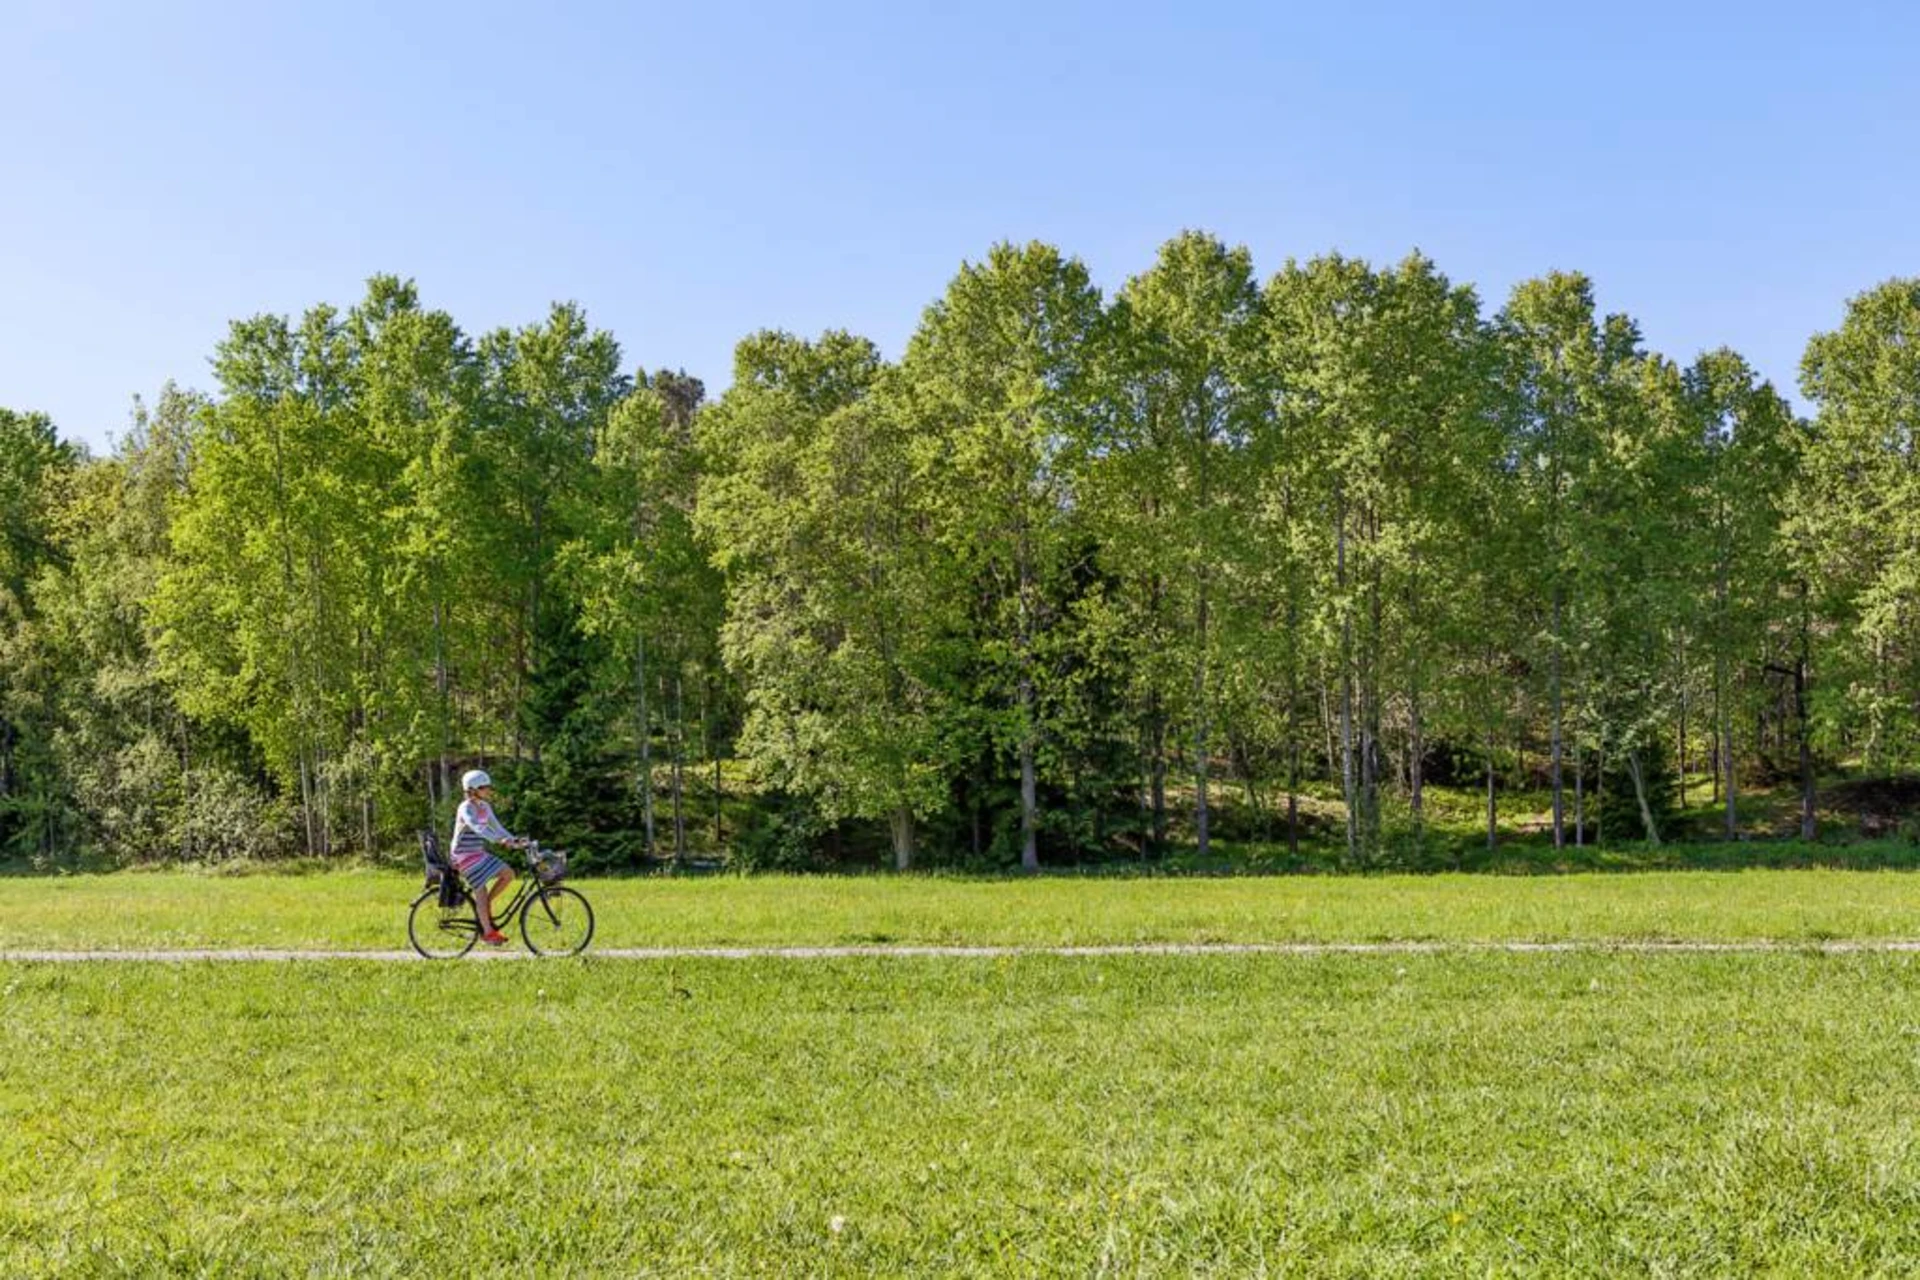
column 483, row 898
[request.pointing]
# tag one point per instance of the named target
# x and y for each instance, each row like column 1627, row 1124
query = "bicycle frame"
column 527, row 886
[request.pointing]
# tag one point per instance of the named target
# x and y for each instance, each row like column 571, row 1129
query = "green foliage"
column 1077, row 579
column 1616, row 818
column 1857, row 523
column 335, row 589
column 785, row 833
column 574, row 793
column 36, row 814
column 840, row 605
column 1168, row 484
column 997, row 381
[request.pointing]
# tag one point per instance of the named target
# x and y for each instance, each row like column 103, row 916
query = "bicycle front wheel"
column 556, row 922
column 442, row 933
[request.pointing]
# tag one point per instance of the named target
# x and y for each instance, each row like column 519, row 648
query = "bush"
column 784, row 833
column 225, row 818
column 1619, row 809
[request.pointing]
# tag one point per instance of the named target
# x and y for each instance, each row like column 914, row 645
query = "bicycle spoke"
column 438, row 931
column 558, row 922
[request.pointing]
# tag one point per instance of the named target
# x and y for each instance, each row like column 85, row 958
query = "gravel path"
column 1682, row 947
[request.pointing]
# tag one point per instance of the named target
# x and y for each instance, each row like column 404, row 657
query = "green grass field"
column 366, row 910
column 1459, row 1113
column 1356, row 1115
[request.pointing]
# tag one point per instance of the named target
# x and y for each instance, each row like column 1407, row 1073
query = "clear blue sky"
column 1727, row 173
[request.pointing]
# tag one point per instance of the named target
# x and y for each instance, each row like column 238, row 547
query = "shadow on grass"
column 1520, row 857
column 1538, row 857
column 37, row 868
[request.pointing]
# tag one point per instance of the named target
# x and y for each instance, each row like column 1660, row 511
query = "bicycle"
column 444, row 922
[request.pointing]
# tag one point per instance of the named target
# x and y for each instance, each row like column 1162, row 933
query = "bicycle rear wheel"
column 442, row 933
column 556, row 922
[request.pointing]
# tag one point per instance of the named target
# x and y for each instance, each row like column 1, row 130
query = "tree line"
column 1075, row 577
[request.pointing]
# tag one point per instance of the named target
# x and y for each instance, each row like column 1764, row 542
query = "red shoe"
column 494, row 939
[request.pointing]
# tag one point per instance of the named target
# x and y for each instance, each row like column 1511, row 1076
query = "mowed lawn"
column 366, row 910
column 1596, row 1114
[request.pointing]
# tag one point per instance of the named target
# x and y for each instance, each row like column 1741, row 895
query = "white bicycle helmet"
column 474, row 779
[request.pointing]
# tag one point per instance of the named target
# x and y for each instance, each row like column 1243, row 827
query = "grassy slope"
column 1485, row 1115
column 367, row 909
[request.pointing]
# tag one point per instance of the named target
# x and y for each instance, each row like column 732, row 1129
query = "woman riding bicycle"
column 474, row 826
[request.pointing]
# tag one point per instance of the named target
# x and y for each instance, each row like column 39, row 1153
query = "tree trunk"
column 1640, row 794
column 530, row 654
column 1682, row 753
column 438, row 787
column 1416, row 749
column 186, row 787
column 713, row 753
column 1723, row 771
column 679, row 787
column 294, row 664
column 323, row 790
column 1559, row 819
column 1243, row 760
column 1293, row 799
column 1493, row 808
column 1326, row 724
column 307, row 805
column 1156, row 720
column 1807, row 824
column 1142, row 801
column 1372, row 750
column 1157, row 766
column 646, row 741
column 1346, row 684
column 1029, row 789
column 1416, row 744
column 1029, row 729
column 1346, row 766
column 1599, row 792
column 1200, row 725
column 901, row 825
column 1293, row 714
column 1723, row 779
column 1713, row 751
column 1579, row 799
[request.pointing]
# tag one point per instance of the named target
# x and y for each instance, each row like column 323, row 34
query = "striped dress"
column 473, row 827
